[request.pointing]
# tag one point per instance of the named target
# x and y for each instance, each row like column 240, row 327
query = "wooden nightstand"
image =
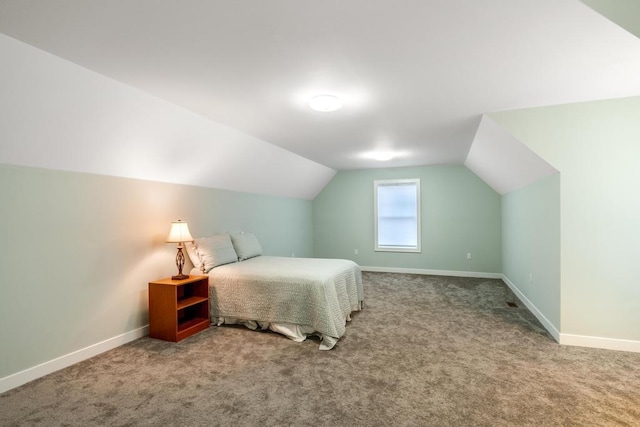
column 178, row 308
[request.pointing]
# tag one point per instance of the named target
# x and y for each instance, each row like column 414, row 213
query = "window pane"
column 397, row 219
column 397, row 232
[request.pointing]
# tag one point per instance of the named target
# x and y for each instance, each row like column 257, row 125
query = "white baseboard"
column 599, row 342
column 533, row 309
column 480, row 275
column 571, row 339
column 30, row 374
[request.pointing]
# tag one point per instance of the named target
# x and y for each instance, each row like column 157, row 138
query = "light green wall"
column 596, row 148
column 531, row 244
column 460, row 214
column 79, row 250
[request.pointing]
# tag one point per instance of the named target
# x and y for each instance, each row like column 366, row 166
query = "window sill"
column 397, row 249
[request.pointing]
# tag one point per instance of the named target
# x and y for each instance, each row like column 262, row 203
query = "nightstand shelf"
column 178, row 308
column 189, row 301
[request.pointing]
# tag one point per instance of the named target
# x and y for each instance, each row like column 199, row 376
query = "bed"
column 296, row 297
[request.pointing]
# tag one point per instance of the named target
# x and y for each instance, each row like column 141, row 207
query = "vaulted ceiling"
column 415, row 76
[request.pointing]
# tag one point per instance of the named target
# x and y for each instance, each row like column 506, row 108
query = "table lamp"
column 179, row 234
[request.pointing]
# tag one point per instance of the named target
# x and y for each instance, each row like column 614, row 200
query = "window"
column 397, row 215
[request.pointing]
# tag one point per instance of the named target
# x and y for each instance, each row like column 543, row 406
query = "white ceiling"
column 415, row 75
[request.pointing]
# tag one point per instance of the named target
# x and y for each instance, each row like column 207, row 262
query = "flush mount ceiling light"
column 325, row 103
column 381, row 156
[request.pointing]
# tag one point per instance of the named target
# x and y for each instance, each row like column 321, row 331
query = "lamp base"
column 180, row 277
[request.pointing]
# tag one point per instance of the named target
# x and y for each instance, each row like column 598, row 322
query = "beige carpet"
column 425, row 351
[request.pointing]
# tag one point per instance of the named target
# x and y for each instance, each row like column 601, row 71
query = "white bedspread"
column 317, row 294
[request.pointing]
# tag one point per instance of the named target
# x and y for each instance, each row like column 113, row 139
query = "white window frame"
column 387, row 182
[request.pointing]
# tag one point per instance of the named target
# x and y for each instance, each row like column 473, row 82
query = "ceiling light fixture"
column 325, row 103
column 382, row 157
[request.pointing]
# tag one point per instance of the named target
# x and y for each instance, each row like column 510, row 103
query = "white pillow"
column 193, row 255
column 246, row 245
column 213, row 251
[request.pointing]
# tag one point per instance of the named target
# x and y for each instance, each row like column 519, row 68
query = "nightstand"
column 178, row 308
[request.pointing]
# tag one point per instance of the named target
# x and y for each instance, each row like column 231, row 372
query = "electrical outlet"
column 468, row 255
column 355, row 251
column 293, row 255
column 530, row 277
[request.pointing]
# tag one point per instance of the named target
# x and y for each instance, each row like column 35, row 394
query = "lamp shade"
column 179, row 232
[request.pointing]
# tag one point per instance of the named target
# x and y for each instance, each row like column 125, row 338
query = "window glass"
column 397, row 215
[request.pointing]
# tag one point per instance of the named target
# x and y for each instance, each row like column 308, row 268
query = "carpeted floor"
column 425, row 351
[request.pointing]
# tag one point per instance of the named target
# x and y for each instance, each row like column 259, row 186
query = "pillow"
column 246, row 245
column 214, row 251
column 193, row 255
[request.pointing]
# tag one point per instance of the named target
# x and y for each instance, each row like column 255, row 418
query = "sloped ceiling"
column 502, row 161
column 415, row 76
column 57, row 115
